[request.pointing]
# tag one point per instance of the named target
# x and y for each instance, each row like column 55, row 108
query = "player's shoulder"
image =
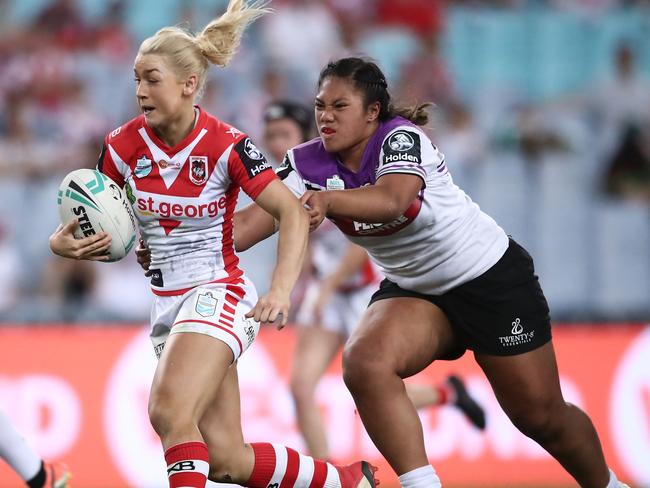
column 125, row 132
column 221, row 130
column 401, row 133
column 308, row 153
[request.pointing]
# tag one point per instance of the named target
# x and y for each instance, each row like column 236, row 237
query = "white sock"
column 424, row 477
column 613, row 481
column 15, row 450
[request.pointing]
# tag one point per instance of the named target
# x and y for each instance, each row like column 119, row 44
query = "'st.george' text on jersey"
column 184, row 197
column 441, row 241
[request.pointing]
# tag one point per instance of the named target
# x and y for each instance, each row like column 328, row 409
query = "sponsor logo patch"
column 402, row 146
column 251, row 150
column 156, row 277
column 518, row 336
column 252, row 158
column 206, row 304
column 142, row 167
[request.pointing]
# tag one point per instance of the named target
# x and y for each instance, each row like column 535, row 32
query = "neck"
column 352, row 156
column 179, row 128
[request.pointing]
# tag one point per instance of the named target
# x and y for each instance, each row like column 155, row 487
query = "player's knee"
column 362, row 366
column 164, row 414
column 540, row 421
column 302, row 390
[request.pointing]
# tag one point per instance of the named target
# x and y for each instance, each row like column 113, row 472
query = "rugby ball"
column 99, row 204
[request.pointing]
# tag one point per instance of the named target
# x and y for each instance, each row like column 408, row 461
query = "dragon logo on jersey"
column 198, row 169
column 251, row 151
column 401, row 141
column 142, row 167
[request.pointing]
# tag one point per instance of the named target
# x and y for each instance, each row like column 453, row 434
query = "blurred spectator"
column 423, row 17
column 9, row 271
column 62, row 21
column 628, row 174
column 300, row 38
column 532, row 132
column 463, row 143
column 622, row 101
column 424, row 75
column 111, row 38
column 120, row 291
column 65, row 292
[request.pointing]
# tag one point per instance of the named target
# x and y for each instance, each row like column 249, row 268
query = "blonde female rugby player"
column 184, row 168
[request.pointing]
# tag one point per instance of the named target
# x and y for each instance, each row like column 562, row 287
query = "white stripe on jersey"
column 415, row 169
column 121, row 166
column 220, row 177
column 179, row 158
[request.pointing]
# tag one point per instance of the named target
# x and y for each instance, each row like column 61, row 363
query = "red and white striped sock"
column 188, row 465
column 281, row 467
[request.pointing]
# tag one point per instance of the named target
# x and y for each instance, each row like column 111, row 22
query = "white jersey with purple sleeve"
column 441, row 241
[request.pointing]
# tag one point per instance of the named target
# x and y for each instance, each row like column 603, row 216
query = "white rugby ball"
column 100, row 205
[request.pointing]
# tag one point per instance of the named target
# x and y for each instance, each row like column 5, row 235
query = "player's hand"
column 316, row 205
column 143, row 256
column 91, row 248
column 272, row 307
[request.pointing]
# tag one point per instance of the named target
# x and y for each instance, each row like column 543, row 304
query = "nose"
column 326, row 115
column 140, row 92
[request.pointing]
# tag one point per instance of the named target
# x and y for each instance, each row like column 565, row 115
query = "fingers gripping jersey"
column 441, row 241
column 184, row 197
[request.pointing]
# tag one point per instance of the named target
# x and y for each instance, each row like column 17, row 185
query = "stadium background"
column 543, row 112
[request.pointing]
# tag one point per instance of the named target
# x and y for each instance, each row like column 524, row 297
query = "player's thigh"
column 404, row 333
column 315, row 349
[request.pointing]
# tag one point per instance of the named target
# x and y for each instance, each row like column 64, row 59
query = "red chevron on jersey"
column 184, row 196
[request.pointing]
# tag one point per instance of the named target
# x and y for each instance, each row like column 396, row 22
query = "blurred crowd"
column 542, row 108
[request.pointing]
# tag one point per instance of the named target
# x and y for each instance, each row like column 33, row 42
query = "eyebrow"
column 335, row 101
column 147, row 71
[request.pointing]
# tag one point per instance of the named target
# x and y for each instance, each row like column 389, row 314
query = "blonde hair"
column 217, row 43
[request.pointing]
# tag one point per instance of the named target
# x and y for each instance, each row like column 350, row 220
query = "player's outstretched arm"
column 92, row 248
column 382, row 202
column 277, row 200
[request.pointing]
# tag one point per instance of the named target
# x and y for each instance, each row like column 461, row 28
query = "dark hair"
column 286, row 109
column 368, row 78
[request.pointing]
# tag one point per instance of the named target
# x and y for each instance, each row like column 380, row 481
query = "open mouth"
column 328, row 131
column 147, row 110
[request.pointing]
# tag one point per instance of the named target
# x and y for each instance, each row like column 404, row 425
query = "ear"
column 372, row 113
column 191, row 85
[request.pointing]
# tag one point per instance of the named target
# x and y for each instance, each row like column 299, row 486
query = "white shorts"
column 341, row 314
column 214, row 309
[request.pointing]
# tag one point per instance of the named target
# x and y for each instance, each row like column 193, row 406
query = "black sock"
column 39, row 480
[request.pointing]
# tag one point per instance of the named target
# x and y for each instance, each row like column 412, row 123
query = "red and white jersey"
column 184, row 197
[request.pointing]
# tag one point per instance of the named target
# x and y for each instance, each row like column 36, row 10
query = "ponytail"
column 217, row 43
column 220, row 39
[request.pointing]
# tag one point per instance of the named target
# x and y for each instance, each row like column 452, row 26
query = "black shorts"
column 502, row 312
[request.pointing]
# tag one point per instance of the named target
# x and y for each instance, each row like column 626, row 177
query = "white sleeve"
column 290, row 177
column 408, row 150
